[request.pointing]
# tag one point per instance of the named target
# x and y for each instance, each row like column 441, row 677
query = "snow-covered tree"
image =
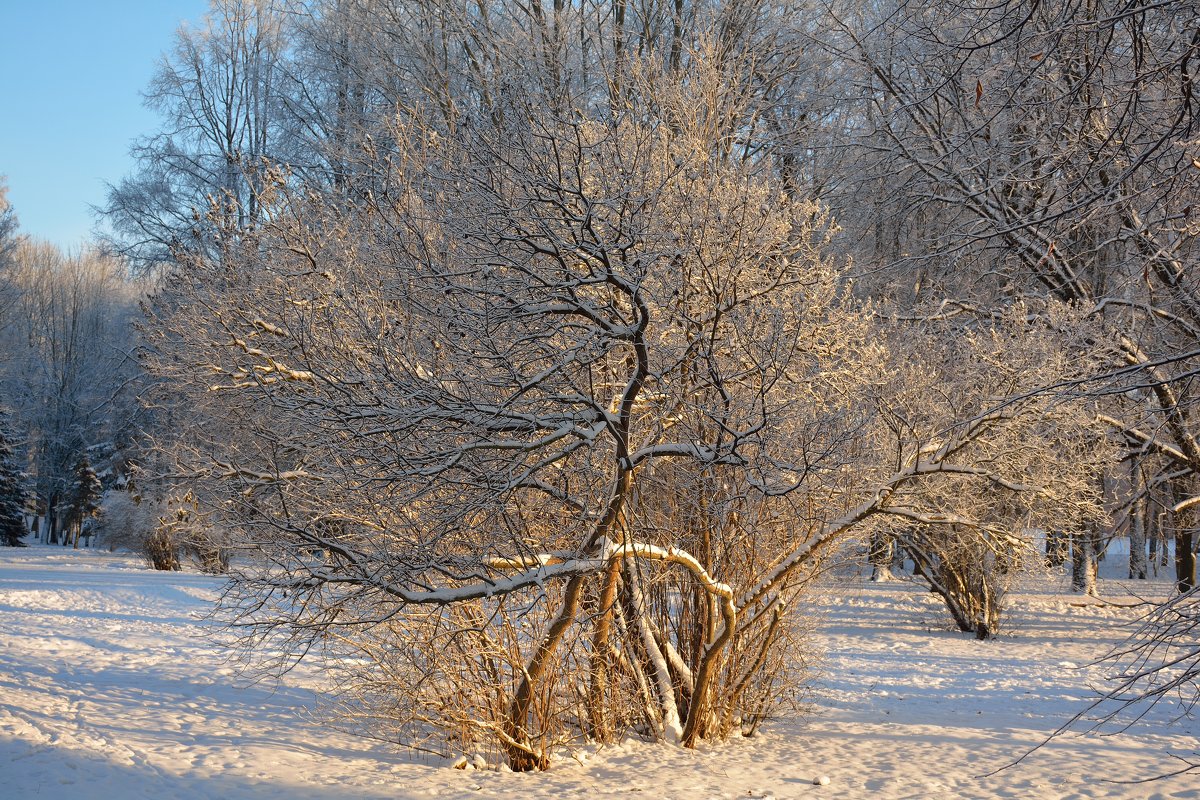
column 68, row 365
column 970, row 540
column 126, row 520
column 8, row 226
column 1038, row 151
column 83, row 501
column 218, row 93
column 14, row 491
column 9, row 239
column 559, row 409
column 545, row 341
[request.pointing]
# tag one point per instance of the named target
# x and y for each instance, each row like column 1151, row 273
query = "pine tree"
column 13, row 492
column 85, row 495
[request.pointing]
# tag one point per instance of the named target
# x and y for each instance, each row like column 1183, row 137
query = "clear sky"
column 71, row 77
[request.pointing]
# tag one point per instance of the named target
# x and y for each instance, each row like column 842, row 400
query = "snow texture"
column 109, row 688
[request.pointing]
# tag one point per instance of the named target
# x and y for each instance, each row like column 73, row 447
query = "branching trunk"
column 524, row 753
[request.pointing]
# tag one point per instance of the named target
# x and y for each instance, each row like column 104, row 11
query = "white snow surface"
column 109, row 689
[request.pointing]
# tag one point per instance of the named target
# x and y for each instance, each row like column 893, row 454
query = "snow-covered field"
column 109, row 690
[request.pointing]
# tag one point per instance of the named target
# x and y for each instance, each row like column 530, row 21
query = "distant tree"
column 1136, row 524
column 143, row 524
column 981, row 537
column 8, row 226
column 217, row 91
column 165, row 541
column 1085, row 564
column 84, row 500
column 8, row 247
column 126, row 520
column 13, row 491
column 66, row 365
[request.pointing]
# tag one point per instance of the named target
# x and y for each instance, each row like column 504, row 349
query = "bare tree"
column 970, row 539
column 1040, row 150
column 219, row 97
column 549, row 417
column 9, row 240
column 69, row 363
column 8, row 227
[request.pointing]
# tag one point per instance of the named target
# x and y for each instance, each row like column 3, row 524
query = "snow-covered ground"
column 109, row 690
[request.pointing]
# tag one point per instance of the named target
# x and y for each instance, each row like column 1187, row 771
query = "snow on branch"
column 1147, row 441
column 534, row 570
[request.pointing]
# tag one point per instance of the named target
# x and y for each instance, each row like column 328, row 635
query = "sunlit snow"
column 109, row 689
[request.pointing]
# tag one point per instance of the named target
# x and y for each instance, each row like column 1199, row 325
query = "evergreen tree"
column 13, row 492
column 85, row 496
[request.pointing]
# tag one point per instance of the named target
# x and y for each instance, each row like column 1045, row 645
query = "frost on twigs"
column 556, row 455
column 1012, row 465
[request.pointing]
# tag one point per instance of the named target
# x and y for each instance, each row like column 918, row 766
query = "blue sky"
column 71, row 77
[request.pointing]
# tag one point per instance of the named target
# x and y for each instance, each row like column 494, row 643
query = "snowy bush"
column 164, row 530
column 545, row 473
column 183, row 529
column 134, row 522
column 1030, row 466
column 126, row 521
column 972, row 571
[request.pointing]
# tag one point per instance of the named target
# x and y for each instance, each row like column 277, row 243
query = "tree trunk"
column 1084, row 565
column 598, row 691
column 659, row 671
column 1137, row 537
column 52, row 521
column 1153, row 533
column 1185, row 561
column 1164, row 552
column 1185, row 535
column 882, row 554
column 523, row 753
column 1137, row 522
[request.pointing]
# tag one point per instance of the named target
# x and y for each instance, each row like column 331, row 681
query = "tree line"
column 66, row 375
